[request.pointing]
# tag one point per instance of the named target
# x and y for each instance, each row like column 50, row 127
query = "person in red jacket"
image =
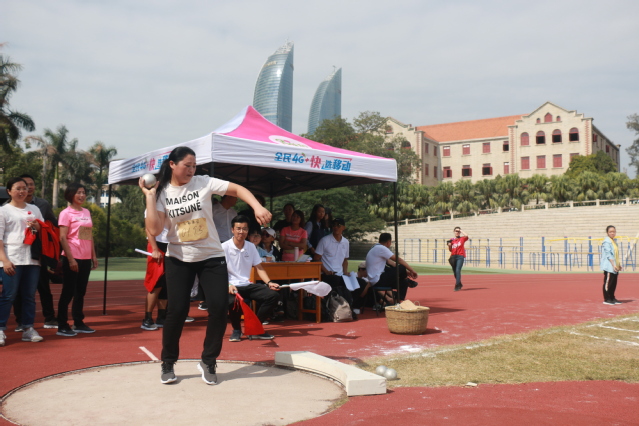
column 457, row 254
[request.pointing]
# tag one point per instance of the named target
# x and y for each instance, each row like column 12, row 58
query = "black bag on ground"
column 337, row 308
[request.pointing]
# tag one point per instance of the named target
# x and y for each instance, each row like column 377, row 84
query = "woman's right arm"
column 154, row 220
column 64, row 243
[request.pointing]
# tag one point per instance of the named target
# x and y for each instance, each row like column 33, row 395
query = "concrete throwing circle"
column 246, row 394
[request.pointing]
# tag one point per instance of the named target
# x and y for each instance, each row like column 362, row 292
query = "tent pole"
column 106, row 255
column 396, row 236
column 271, row 197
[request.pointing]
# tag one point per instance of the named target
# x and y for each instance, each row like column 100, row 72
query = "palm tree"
column 537, row 187
column 101, row 158
column 485, row 191
column 442, row 197
column 588, row 186
column 511, row 193
column 11, row 122
column 55, row 146
column 464, row 200
column 561, row 188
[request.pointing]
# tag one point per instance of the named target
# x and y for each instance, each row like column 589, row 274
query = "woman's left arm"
column 262, row 215
column 94, row 256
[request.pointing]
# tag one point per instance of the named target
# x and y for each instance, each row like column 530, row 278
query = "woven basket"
column 402, row 321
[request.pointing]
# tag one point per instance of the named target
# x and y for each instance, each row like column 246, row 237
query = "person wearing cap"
column 266, row 248
column 332, row 251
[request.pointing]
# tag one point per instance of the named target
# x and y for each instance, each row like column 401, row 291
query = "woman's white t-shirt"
column 13, row 223
column 188, row 211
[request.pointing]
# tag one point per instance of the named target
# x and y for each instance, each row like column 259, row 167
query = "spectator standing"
column 315, row 227
column 293, row 236
column 223, row 213
column 382, row 275
column 610, row 264
column 288, row 212
column 19, row 270
column 78, row 258
column 182, row 203
column 44, row 289
column 457, row 255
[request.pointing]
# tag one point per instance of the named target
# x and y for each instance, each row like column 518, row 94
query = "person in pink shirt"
column 78, row 258
column 293, row 236
column 457, row 255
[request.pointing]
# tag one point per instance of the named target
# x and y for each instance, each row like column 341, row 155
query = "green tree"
column 485, row 191
column 465, row 198
column 538, row 187
column 561, row 188
column 11, row 122
column 337, row 132
column 442, row 197
column 633, row 150
column 599, row 163
column 55, row 146
column 102, row 155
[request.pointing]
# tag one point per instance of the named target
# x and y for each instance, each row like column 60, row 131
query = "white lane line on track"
column 604, row 338
column 149, row 353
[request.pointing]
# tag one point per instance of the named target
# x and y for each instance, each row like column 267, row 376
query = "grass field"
column 606, row 349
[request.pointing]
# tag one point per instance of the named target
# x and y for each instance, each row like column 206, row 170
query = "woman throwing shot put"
column 182, row 202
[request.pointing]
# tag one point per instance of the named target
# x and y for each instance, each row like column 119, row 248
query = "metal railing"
column 550, row 254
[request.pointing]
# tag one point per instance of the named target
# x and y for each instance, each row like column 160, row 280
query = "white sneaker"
column 31, row 335
column 357, row 311
column 2, row 338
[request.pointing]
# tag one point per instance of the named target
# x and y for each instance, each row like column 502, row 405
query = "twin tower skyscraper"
column 273, row 96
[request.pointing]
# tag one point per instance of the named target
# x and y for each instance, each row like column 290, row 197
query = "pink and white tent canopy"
column 257, row 154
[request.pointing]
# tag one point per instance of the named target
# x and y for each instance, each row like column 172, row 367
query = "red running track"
column 489, row 305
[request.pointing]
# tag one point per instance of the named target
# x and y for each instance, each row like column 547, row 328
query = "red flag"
column 252, row 324
column 154, row 271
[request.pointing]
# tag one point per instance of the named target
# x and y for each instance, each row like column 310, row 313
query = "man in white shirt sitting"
column 240, row 259
column 381, row 275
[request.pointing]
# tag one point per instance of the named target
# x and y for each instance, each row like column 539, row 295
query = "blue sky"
column 140, row 75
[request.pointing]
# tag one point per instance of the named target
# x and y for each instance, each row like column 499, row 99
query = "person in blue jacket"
column 610, row 265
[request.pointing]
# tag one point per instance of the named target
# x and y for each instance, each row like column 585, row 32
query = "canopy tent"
column 253, row 152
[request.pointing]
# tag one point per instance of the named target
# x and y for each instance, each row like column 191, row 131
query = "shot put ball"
column 380, row 370
column 390, row 374
column 149, row 180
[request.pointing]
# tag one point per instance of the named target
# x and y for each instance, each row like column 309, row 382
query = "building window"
column 446, row 151
column 538, row 120
column 506, row 146
column 556, row 136
column 594, row 137
column 406, row 145
column 448, row 173
column 465, row 149
column 557, row 160
column 524, row 139
column 525, row 163
column 485, row 148
column 486, row 170
column 467, row 171
column 434, row 151
column 426, row 169
column 548, row 118
column 573, row 136
column 426, row 148
column 541, row 138
column 506, row 167
column 607, row 148
column 435, row 172
column 558, row 118
column 541, row 161
column 573, row 155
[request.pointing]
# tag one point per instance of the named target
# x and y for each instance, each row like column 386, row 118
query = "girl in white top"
column 181, row 202
column 19, row 270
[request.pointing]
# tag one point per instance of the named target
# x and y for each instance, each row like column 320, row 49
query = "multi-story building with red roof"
column 542, row 142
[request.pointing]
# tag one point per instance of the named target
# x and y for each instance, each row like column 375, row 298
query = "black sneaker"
column 236, row 336
column 208, row 373
column 159, row 322
column 203, row 306
column 189, row 319
column 168, row 375
column 264, row 336
column 608, row 302
column 51, row 324
column 148, row 324
column 83, row 328
column 616, row 302
column 411, row 283
column 459, row 287
column 66, row 331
